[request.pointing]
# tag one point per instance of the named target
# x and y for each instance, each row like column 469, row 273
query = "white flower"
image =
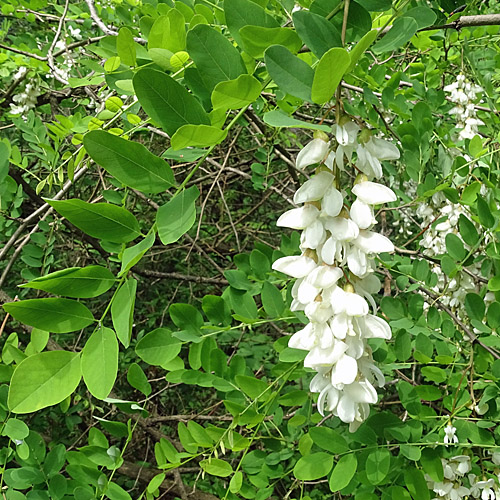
column 373, row 193
column 315, row 188
column 314, row 152
column 348, row 408
column 450, row 437
column 295, row 266
column 372, row 152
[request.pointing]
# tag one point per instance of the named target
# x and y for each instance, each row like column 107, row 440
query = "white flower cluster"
column 335, row 272
column 433, row 243
column 25, row 100
column 453, row 486
column 463, row 95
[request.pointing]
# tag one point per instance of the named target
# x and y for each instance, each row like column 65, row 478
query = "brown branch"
column 465, row 21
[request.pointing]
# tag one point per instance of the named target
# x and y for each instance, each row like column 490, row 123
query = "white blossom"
column 334, row 274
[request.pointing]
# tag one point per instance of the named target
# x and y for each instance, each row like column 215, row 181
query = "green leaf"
column 43, row 380
column 15, row 429
column 293, row 75
column 485, row 216
column 177, row 216
column 51, row 315
column 272, row 301
column 215, row 56
column 235, row 94
column 197, row 135
column 236, row 482
column 158, row 347
column 138, row 380
column 329, row 73
column 216, row 310
column 277, row 118
column 159, row 35
column 424, row 16
column 467, row 230
column 401, row 32
column 494, row 284
column 125, row 47
column 115, row 492
column 166, row 101
column 122, row 311
column 316, row 32
column 329, row 439
column 4, row 161
column 132, row 255
column 129, row 162
column 241, row 13
column 257, row 39
column 77, row 282
column 415, row 482
column 343, row 472
column 359, row 49
column 428, row 392
column 242, row 303
column 313, row 466
column 474, row 305
column 216, row 467
column 431, row 462
column 155, row 483
column 455, row 247
column 251, row 386
column 377, row 465
column 100, row 362
column 100, row 220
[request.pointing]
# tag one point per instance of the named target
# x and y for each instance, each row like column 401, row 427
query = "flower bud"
column 319, row 134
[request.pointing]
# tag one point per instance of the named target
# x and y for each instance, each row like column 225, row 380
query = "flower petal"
column 332, row 202
column 371, row 242
column 373, row 193
column 298, row 218
column 362, row 214
column 295, row 266
column 314, row 152
column 314, row 189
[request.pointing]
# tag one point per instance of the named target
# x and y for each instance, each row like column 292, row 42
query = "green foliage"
column 196, row 373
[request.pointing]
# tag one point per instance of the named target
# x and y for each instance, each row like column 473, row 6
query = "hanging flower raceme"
column 463, row 94
column 335, row 271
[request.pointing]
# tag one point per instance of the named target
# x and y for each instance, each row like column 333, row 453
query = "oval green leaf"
column 343, row 472
column 51, row 315
column 197, row 135
column 43, row 380
column 76, row 282
column 129, row 162
column 122, row 311
column 293, row 75
column 100, row 362
column 166, row 101
column 100, row 220
column 235, row 94
column 177, row 216
column 216, row 467
column 329, row 72
column 314, row 466
column 158, row 347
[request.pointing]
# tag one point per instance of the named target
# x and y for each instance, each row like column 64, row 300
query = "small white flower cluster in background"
column 463, row 94
column 452, row 291
column 456, row 486
column 335, row 272
column 25, row 100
